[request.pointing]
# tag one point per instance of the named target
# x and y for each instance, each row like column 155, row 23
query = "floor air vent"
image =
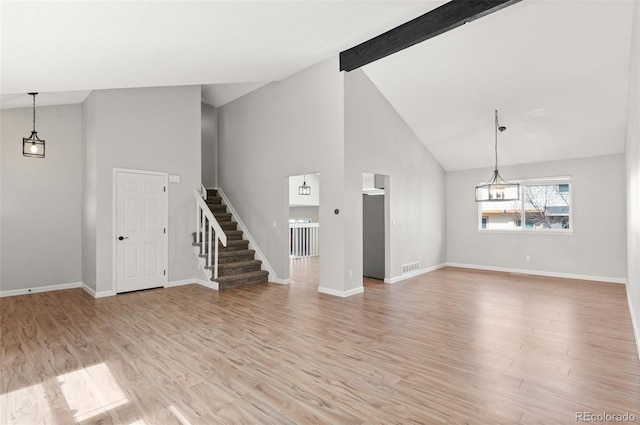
column 409, row 268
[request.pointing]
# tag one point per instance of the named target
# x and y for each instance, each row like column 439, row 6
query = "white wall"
column 595, row 249
column 378, row 141
column 209, row 145
column 41, row 199
column 89, row 192
column 312, row 213
column 287, row 128
column 633, row 178
column 153, row 129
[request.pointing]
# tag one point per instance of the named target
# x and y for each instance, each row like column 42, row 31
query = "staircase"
column 237, row 265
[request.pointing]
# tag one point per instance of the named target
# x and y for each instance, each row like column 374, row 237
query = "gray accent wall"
column 286, row 128
column 633, row 178
column 339, row 125
column 150, row 129
column 89, row 192
column 377, row 140
column 373, row 236
column 209, row 143
column 597, row 247
column 40, row 243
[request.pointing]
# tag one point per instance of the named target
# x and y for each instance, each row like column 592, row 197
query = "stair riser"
column 230, row 237
column 238, row 284
column 212, row 199
column 231, row 234
column 224, row 225
column 233, row 243
column 217, row 208
column 231, row 225
column 235, row 270
column 235, row 258
column 222, row 218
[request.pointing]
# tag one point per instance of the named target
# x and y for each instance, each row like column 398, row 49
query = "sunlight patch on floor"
column 27, row 405
column 91, row 391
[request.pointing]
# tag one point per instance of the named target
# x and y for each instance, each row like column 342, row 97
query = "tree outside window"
column 543, row 205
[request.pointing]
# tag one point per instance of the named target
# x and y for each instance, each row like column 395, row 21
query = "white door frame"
column 114, row 229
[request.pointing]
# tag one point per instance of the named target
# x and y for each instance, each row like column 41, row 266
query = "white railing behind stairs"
column 207, row 227
column 303, row 239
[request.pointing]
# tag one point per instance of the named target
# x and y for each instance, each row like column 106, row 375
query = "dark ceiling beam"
column 440, row 20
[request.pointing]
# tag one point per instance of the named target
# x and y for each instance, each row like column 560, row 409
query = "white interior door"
column 141, row 208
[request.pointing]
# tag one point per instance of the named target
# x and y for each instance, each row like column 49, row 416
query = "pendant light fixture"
column 497, row 189
column 304, row 189
column 33, row 146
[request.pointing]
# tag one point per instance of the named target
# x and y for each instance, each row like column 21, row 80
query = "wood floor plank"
column 449, row 347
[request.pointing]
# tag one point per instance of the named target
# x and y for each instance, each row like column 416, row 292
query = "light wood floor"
column 448, row 347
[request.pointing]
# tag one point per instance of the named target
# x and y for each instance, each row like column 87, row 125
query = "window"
column 544, row 205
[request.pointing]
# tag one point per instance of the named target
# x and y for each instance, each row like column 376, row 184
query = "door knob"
column 121, row 238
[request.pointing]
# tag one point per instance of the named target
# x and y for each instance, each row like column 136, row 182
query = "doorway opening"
column 304, row 230
column 375, row 227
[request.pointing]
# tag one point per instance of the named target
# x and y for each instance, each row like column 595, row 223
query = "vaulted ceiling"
column 557, row 71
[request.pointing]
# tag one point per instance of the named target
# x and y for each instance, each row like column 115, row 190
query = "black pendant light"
column 497, row 188
column 304, row 189
column 33, row 146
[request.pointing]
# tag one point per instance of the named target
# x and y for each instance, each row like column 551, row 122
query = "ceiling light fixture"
column 33, row 146
column 497, row 189
column 304, row 189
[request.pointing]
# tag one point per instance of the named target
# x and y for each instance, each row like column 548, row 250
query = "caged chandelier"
column 304, row 189
column 497, row 189
column 33, row 146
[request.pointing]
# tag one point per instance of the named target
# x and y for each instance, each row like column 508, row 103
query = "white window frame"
column 539, row 181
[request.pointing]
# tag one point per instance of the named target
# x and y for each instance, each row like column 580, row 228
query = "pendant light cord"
column 496, row 144
column 34, row 113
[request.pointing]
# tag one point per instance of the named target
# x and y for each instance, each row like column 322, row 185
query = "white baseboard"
column 208, row 283
column 343, row 294
column 634, row 322
column 99, row 294
column 89, row 290
column 179, row 283
column 280, row 281
column 413, row 274
column 37, row 289
column 541, row 273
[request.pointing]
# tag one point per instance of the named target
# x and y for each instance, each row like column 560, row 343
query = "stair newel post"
column 209, row 246
column 215, row 267
column 198, row 213
column 203, row 223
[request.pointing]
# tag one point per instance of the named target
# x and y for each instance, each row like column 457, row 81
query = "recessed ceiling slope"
column 51, row 46
column 557, row 71
column 220, row 94
column 23, row 100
